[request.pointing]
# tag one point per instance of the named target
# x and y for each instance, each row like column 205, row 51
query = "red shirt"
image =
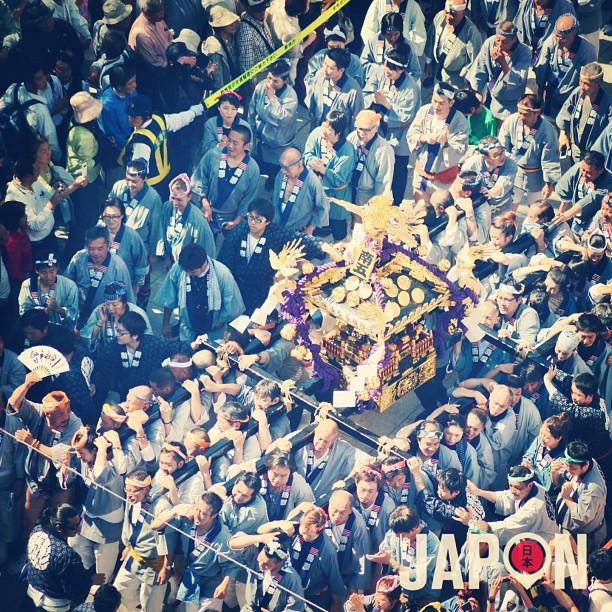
column 18, row 256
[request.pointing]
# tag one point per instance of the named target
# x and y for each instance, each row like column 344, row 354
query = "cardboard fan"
column 44, row 360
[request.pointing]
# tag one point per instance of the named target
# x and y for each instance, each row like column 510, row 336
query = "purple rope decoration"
column 293, row 309
column 457, row 294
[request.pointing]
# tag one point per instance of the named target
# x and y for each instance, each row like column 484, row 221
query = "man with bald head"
column 535, row 21
column 499, row 431
column 300, row 203
column 557, row 70
column 373, row 174
column 149, row 433
column 325, row 460
column 453, row 42
column 350, row 535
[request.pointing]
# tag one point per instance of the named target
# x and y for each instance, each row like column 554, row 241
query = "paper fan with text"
column 44, row 360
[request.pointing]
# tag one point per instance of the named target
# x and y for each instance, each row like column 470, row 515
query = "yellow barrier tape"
column 257, row 68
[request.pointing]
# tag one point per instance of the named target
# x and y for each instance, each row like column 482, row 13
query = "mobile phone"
column 563, row 153
column 84, row 169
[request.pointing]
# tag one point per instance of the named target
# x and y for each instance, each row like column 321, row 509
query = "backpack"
column 108, row 150
column 14, row 127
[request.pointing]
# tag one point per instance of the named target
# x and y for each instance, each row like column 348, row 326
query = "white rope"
column 180, row 531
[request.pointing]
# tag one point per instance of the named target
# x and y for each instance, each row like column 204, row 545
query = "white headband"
column 517, row 479
column 388, row 60
column 455, row 7
column 511, row 289
column 176, row 364
column 335, row 31
column 442, row 91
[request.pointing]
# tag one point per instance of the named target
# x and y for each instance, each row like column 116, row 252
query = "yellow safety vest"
column 155, row 136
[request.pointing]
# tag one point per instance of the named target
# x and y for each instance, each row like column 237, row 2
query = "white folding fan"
column 44, row 360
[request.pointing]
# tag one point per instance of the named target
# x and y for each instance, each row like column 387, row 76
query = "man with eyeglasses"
column 246, row 252
column 497, row 171
column 131, row 357
column 182, row 223
column 558, row 67
column 142, row 209
column 300, row 203
column 373, row 174
column 453, row 42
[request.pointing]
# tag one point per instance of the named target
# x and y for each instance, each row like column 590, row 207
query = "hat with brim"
column 115, row 12
column 191, row 39
column 176, row 50
column 221, row 17
column 85, row 107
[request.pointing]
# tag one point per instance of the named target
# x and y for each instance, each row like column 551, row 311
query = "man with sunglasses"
column 373, row 174
column 300, row 203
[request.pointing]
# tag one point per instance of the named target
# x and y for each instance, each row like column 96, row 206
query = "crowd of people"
column 156, row 472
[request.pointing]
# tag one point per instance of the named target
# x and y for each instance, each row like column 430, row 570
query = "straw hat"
column 191, row 39
column 115, row 11
column 221, row 17
column 85, row 107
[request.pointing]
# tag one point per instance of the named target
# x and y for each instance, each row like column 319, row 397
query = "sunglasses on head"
column 424, row 433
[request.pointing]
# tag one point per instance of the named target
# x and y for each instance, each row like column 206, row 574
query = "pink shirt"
column 150, row 40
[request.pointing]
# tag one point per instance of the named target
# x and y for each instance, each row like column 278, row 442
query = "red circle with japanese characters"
column 527, row 556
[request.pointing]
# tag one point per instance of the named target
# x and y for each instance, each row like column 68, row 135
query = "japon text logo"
column 526, row 556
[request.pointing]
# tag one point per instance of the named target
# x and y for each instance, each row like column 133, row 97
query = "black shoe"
column 322, row 232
